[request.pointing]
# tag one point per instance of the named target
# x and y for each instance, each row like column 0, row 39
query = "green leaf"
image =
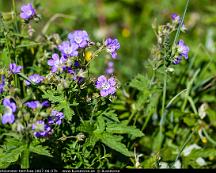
column 110, row 116
column 86, row 126
column 68, row 112
column 12, row 155
column 41, row 150
column 151, row 162
column 100, row 124
column 61, row 103
column 124, row 129
column 4, row 58
column 113, row 142
column 50, row 95
column 11, row 134
column 140, row 82
column 4, row 165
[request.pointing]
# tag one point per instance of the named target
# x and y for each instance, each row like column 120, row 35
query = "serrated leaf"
column 89, row 144
column 12, row 155
column 91, row 141
column 61, row 102
column 100, row 124
column 50, row 95
column 111, row 116
column 86, row 126
column 39, row 149
column 124, row 129
column 4, row 165
column 113, row 142
column 11, row 134
column 68, row 112
column 140, row 82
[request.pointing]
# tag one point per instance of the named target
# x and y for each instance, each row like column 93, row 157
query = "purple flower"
column 8, row 118
column 80, row 37
column 35, row 78
column 10, row 108
column 56, row 62
column 176, row 18
column 76, row 64
column 33, row 104
column 177, row 60
column 56, row 117
column 27, row 12
column 79, row 79
column 182, row 51
column 41, row 129
column 9, row 104
column 45, row 103
column 110, row 68
column 68, row 49
column 2, row 84
column 71, row 71
column 106, row 86
column 112, row 45
column 15, row 68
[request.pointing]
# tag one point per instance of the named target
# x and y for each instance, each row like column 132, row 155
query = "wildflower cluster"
column 172, row 53
column 67, row 67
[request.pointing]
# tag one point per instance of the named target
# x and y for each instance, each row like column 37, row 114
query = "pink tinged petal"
column 51, row 62
column 83, row 44
column 112, row 90
column 6, row 102
column 54, row 69
column 98, row 85
column 112, row 81
column 6, row 118
column 13, row 107
column 110, row 64
column 63, row 59
column 104, row 93
column 114, row 55
column 23, row 16
column 75, row 53
column 75, row 46
column 55, row 56
column 102, row 79
column 25, row 7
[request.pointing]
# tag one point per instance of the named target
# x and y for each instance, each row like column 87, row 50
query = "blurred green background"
column 131, row 22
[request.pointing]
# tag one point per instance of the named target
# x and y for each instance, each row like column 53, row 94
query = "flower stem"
column 183, row 146
column 163, row 114
column 182, row 20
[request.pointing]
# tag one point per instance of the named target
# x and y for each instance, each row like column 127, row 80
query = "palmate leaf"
column 53, row 97
column 110, row 116
column 114, row 142
column 12, row 155
column 86, row 127
column 65, row 106
column 124, row 129
column 100, row 124
column 140, row 82
column 39, row 149
column 61, row 103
